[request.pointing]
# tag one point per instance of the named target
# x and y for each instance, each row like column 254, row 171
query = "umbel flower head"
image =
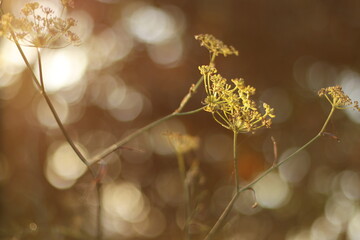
column 215, row 46
column 68, row 3
column 183, row 143
column 337, row 98
column 39, row 27
column 231, row 105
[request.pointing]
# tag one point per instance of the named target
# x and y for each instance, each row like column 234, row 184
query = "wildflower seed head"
column 337, row 98
column 39, row 27
column 5, row 23
column 231, row 104
column 215, row 46
column 183, row 143
column 68, row 3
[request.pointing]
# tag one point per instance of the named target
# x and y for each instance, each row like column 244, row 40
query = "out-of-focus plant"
column 183, row 143
column 39, row 27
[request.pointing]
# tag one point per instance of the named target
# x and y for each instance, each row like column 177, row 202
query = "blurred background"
column 136, row 62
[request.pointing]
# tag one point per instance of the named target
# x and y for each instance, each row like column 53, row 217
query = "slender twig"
column 41, row 87
column 290, row 156
column 222, row 217
column 228, row 208
column 182, row 172
column 230, row 205
column 236, row 165
column 99, row 211
column 140, row 131
column 40, row 70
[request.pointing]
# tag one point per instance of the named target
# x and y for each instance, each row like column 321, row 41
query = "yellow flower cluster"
column 38, row 27
column 231, row 105
column 68, row 3
column 337, row 98
column 215, row 46
column 183, row 143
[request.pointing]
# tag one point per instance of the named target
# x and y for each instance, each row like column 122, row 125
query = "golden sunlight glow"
column 109, row 46
column 125, row 104
column 353, row 229
column 45, row 116
column 126, row 201
column 339, row 209
column 350, row 184
column 322, row 229
column 11, row 61
column 272, row 191
column 350, row 81
column 167, row 54
column 102, row 87
column 245, row 202
column 84, row 26
column 153, row 225
column 296, row 169
column 149, row 24
column 63, row 68
column 63, row 167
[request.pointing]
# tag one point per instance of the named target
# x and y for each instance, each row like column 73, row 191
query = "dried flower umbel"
column 39, row 27
column 215, row 46
column 183, row 143
column 337, row 98
column 68, row 3
column 230, row 104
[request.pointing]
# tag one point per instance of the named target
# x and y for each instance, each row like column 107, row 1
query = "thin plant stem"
column 230, row 205
column 236, row 165
column 41, row 87
column 187, row 97
column 290, row 156
column 140, row 131
column 181, row 165
column 40, row 70
column 182, row 172
column 228, row 208
column 98, row 211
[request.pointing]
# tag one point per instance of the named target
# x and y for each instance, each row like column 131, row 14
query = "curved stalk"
column 236, row 165
column 140, row 131
column 99, row 211
column 41, row 87
column 230, row 205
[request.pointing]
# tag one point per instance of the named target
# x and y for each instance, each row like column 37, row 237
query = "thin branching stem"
column 41, row 87
column 236, row 165
column 182, row 172
column 40, row 70
column 140, row 131
column 230, row 205
column 99, row 210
